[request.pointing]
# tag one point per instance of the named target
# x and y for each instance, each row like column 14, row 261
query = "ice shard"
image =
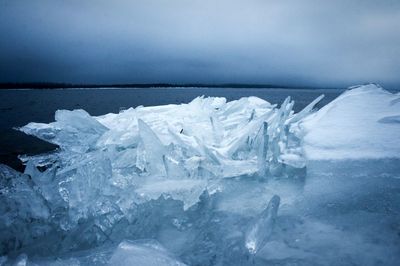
column 261, row 228
column 262, row 149
column 73, row 130
column 154, row 150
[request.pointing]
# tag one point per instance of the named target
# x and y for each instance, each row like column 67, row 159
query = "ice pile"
column 192, row 140
column 128, row 175
column 201, row 182
column 173, row 149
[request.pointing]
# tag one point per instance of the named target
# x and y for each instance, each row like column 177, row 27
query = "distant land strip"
column 50, row 85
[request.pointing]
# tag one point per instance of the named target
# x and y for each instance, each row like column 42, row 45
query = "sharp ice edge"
column 261, row 228
column 93, row 190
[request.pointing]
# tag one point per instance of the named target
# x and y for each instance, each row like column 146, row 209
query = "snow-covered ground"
column 211, row 183
column 363, row 122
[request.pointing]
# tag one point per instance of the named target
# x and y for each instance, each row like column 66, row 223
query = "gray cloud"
column 329, row 43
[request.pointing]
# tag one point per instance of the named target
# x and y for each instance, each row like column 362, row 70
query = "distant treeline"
column 49, row 85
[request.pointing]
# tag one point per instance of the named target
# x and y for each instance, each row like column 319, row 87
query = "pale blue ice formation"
column 201, row 184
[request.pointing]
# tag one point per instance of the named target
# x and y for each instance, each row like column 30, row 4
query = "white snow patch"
column 360, row 123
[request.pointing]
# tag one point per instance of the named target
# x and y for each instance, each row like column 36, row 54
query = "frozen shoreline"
column 205, row 180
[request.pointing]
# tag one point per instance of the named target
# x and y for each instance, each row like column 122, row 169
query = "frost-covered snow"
column 363, row 122
column 211, row 182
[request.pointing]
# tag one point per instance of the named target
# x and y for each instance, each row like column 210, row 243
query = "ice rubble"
column 114, row 170
column 178, row 148
column 197, row 177
column 363, row 122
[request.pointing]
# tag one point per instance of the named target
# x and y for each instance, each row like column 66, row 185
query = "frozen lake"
column 212, row 182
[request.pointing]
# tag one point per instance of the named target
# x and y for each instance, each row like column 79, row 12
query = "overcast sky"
column 289, row 42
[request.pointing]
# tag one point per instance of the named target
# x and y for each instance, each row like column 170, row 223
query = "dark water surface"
column 19, row 107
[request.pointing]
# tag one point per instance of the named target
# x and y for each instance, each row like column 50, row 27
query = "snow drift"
column 363, row 122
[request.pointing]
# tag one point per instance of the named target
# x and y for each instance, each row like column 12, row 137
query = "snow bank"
column 363, row 122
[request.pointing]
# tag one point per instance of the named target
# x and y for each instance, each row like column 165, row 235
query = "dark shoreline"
column 47, row 85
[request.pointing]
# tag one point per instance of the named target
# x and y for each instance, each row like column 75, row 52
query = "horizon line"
column 61, row 85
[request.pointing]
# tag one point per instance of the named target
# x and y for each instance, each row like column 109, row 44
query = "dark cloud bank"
column 317, row 43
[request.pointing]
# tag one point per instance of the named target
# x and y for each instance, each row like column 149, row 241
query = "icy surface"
column 146, row 254
column 139, row 252
column 211, row 183
column 363, row 122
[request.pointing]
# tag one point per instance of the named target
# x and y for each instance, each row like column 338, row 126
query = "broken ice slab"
column 73, row 130
column 23, row 210
column 262, row 149
column 154, row 150
column 261, row 228
column 306, row 110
